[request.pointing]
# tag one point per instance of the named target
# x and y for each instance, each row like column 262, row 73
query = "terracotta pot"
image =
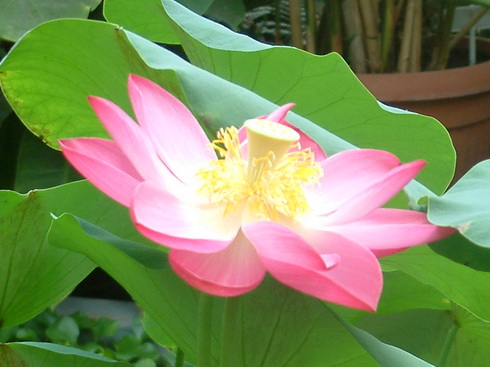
column 459, row 98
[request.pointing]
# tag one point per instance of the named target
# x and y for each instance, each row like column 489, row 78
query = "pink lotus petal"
column 175, row 133
column 104, row 165
column 388, row 231
column 306, row 142
column 374, row 196
column 184, row 224
column 348, row 173
column 133, row 142
column 279, row 115
column 227, row 273
column 338, row 271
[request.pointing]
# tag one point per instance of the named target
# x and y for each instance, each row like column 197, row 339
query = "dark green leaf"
column 425, row 332
column 459, row 284
column 151, row 257
column 230, row 12
column 33, row 275
column 11, row 132
column 386, row 355
column 39, row 166
column 461, row 250
column 158, row 291
column 18, row 16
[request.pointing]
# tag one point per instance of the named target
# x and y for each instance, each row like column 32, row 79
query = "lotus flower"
column 262, row 198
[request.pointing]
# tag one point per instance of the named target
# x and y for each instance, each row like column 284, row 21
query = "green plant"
column 102, row 336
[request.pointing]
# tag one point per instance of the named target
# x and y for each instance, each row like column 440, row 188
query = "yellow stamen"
column 271, row 182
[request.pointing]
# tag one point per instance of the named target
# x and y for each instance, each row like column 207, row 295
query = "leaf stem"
column 179, row 358
column 228, row 332
column 204, row 333
column 446, row 348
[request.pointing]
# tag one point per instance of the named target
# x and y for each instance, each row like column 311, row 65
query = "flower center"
column 270, row 182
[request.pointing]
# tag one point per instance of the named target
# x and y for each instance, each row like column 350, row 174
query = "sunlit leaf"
column 466, row 205
column 151, row 23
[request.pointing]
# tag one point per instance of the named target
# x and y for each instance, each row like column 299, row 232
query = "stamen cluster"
column 268, row 186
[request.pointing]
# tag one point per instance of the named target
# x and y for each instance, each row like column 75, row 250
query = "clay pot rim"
column 430, row 85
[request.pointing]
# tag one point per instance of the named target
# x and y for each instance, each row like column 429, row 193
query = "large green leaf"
column 466, row 205
column 324, row 89
column 275, row 326
column 33, row 275
column 151, row 23
column 402, row 292
column 164, row 296
column 459, row 284
column 427, row 332
column 83, row 200
column 385, row 354
column 263, row 333
column 50, row 355
column 52, row 103
column 18, row 16
column 147, row 18
column 50, row 98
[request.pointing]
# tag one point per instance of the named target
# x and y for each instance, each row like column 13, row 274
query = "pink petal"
column 181, row 223
column 348, row 173
column 227, row 273
column 279, row 115
column 104, row 165
column 133, row 142
column 388, row 231
column 175, row 133
column 374, row 196
column 306, row 142
column 338, row 271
